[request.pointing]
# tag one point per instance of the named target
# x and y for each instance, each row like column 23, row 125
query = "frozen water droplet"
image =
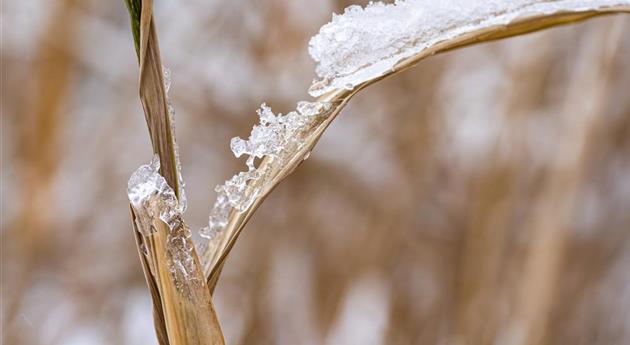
column 312, row 108
column 238, row 146
column 266, row 115
column 166, row 73
column 183, row 202
column 211, row 232
column 151, row 197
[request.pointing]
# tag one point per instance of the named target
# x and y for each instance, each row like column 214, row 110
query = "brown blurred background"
column 481, row 198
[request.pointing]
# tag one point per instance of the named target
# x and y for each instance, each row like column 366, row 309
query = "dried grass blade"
column 214, row 257
column 158, row 316
column 187, row 308
column 153, row 97
column 184, row 313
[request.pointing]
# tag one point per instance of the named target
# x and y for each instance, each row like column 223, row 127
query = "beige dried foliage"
column 189, row 318
column 275, row 173
column 182, row 314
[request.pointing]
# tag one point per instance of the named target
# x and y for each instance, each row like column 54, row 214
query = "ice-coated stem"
column 171, row 266
column 272, row 169
column 182, row 304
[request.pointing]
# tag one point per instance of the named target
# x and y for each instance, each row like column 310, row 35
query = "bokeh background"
column 481, row 198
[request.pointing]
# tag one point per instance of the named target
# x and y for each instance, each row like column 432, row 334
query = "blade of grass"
column 158, row 316
column 214, row 256
column 187, row 310
column 134, row 7
column 153, row 97
column 183, row 308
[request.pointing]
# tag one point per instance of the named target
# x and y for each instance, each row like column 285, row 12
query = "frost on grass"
column 148, row 190
column 365, row 43
column 171, row 113
column 153, row 199
column 360, row 45
column 275, row 136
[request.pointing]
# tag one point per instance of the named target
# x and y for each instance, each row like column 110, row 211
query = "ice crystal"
column 151, row 197
column 273, row 136
column 171, row 113
column 180, row 251
column 148, row 193
column 365, row 43
column 233, row 194
column 166, row 75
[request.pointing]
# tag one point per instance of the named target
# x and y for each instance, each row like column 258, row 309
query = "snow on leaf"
column 365, row 43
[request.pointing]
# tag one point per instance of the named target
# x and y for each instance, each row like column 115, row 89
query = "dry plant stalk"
column 183, row 309
column 182, row 305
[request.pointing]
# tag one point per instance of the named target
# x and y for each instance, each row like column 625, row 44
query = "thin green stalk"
column 134, row 7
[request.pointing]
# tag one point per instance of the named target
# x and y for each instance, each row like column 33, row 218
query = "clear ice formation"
column 180, row 253
column 148, row 192
column 171, row 113
column 274, row 136
column 364, row 43
column 151, row 197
